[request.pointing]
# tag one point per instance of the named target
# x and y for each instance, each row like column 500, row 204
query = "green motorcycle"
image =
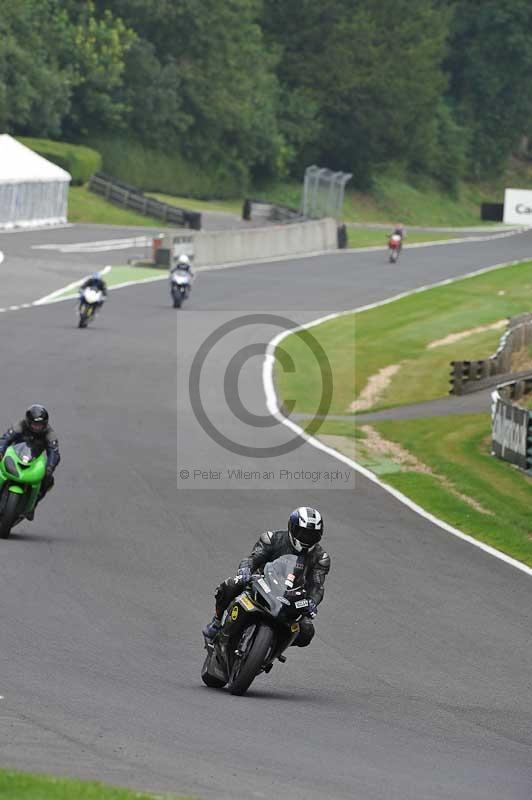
column 21, row 473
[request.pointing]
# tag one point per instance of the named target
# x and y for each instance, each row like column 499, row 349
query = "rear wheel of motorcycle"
column 247, row 669
column 9, row 517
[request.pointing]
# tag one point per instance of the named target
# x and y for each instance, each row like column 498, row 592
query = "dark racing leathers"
column 97, row 284
column 47, row 439
column 270, row 546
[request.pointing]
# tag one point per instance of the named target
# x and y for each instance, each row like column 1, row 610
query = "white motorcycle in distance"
column 180, row 286
column 89, row 302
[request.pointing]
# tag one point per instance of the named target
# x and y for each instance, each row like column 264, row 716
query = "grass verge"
column 446, row 467
column 85, row 206
column 442, row 463
column 22, row 786
column 396, row 196
column 365, row 237
column 192, row 204
column 359, row 345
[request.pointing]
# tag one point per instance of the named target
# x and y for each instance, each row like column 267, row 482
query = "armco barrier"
column 222, row 247
column 466, row 374
column 122, row 194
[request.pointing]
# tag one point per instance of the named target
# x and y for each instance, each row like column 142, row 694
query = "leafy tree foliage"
column 266, row 87
column 490, row 65
column 372, row 69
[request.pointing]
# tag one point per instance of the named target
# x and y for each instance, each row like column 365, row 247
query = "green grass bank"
column 25, row 786
column 394, row 196
column 442, row 463
column 409, row 334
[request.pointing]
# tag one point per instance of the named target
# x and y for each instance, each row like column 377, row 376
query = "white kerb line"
column 273, row 408
column 50, row 297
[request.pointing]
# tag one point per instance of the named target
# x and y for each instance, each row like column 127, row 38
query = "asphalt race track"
column 417, row 685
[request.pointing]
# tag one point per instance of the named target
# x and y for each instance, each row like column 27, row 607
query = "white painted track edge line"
column 50, row 297
column 273, row 408
column 37, row 228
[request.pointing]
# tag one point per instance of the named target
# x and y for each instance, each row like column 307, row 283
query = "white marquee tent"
column 33, row 190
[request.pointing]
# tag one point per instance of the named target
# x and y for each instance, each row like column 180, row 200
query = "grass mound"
column 80, row 161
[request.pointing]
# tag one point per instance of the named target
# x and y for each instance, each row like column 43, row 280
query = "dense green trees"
column 265, row 87
column 371, row 69
column 490, row 63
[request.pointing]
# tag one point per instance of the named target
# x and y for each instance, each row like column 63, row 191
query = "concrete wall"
column 222, row 247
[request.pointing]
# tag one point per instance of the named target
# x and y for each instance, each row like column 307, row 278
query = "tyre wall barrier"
column 275, row 212
column 464, row 374
column 493, row 212
column 222, row 247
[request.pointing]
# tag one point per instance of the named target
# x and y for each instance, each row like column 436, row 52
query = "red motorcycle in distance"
column 394, row 246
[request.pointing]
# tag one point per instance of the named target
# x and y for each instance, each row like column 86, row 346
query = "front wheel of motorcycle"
column 248, row 667
column 10, row 515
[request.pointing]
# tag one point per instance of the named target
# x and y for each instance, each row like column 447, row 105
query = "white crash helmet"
column 305, row 528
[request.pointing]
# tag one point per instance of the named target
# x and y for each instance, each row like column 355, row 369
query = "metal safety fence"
column 127, row 196
column 323, row 192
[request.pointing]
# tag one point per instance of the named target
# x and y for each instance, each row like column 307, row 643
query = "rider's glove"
column 312, row 609
column 243, row 574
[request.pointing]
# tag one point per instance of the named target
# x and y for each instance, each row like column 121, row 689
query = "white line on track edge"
column 273, row 408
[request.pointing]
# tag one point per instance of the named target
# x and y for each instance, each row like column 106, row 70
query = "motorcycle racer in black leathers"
column 32, row 428
column 305, row 529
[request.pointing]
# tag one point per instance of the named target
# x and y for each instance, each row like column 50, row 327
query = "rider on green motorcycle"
column 305, row 529
column 34, row 428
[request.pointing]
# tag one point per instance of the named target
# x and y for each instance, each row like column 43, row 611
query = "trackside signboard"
column 509, row 433
column 518, row 207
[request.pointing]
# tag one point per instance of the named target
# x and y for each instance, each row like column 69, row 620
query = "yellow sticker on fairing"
column 234, row 612
column 246, row 602
column 294, row 627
